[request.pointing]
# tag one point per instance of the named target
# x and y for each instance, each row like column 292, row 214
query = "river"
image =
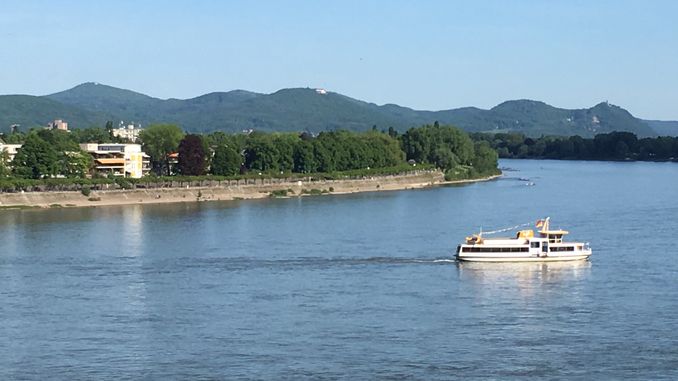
column 359, row 286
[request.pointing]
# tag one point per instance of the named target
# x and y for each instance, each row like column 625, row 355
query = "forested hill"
column 299, row 109
column 663, row 128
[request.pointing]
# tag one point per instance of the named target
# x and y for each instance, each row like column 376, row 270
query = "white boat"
column 548, row 246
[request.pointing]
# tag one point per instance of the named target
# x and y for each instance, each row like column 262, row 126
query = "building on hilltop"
column 57, row 124
column 124, row 160
column 129, row 132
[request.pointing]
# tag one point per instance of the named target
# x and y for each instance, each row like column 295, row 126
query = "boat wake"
column 245, row 263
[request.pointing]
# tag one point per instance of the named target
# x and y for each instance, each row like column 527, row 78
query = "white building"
column 11, row 149
column 125, row 160
column 129, row 132
column 58, row 124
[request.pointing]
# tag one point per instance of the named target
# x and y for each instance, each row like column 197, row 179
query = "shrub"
column 86, row 190
column 124, row 183
column 278, row 193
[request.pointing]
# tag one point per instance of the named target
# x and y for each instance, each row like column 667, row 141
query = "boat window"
column 534, row 244
column 522, row 249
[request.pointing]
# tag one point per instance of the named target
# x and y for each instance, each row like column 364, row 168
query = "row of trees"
column 610, row 146
column 222, row 154
column 54, row 153
column 46, row 153
column 225, row 154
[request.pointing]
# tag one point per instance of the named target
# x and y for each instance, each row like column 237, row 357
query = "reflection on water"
column 132, row 230
column 525, row 277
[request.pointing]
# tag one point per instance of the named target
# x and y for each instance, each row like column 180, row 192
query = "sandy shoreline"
column 224, row 193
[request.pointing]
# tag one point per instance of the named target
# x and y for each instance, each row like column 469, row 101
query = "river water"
column 356, row 286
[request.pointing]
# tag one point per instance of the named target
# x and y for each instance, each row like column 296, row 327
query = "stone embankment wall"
column 219, row 190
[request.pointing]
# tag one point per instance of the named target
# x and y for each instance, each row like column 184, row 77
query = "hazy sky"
column 420, row 54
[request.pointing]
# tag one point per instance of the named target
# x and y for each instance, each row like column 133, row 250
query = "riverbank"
column 227, row 192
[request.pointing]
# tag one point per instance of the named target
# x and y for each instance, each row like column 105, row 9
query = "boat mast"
column 545, row 227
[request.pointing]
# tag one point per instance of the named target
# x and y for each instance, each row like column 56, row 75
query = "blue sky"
column 421, row 54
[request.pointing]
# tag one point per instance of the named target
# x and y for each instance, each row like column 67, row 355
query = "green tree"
column 304, row 158
column 92, row 135
column 261, row 154
column 14, row 138
column 226, row 161
column 36, row 158
column 485, row 159
column 444, row 146
column 192, row 156
column 160, row 140
column 59, row 140
column 75, row 163
column 5, row 168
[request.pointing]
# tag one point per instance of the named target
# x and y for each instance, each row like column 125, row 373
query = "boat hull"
column 558, row 258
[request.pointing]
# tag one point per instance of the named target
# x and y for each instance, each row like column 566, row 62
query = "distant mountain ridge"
column 663, row 127
column 299, row 109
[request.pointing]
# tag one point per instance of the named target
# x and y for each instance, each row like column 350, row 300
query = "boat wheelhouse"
column 548, row 245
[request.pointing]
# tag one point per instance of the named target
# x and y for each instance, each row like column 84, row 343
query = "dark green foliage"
column 86, row 190
column 192, row 156
column 36, row 159
column 93, row 135
column 446, row 146
column 5, row 168
column 74, row 164
column 261, row 154
column 159, row 141
column 612, row 146
column 313, row 192
column 329, row 152
column 14, row 138
column 278, row 193
column 484, row 159
column 124, row 183
column 226, row 161
column 59, row 140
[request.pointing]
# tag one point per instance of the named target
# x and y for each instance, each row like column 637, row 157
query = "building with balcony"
column 124, row 160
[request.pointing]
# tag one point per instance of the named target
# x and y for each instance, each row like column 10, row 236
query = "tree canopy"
column 611, row 146
column 160, row 140
column 192, row 156
column 36, row 158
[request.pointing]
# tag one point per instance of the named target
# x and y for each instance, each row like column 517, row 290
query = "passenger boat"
column 548, row 246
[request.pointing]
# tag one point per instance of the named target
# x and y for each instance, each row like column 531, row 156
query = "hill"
column 31, row 111
column 663, row 127
column 301, row 109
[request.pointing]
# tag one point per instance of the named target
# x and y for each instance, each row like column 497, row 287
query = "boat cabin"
column 554, row 236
